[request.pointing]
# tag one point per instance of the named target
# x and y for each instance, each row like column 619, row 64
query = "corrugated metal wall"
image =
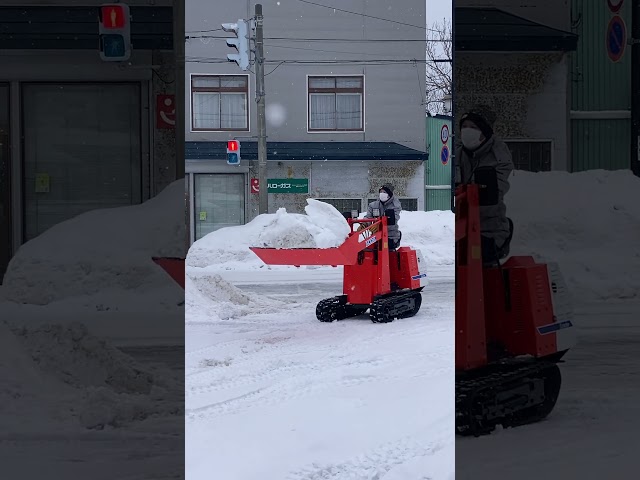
column 599, row 84
column 437, row 175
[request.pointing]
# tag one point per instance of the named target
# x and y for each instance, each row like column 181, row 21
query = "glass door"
column 82, row 150
column 219, row 201
column 5, row 182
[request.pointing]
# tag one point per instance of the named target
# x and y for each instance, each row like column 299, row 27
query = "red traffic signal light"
column 233, row 146
column 114, row 16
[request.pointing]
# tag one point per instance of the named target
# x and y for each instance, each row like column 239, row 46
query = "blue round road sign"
column 616, row 38
column 444, row 155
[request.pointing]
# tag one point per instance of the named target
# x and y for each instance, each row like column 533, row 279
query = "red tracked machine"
column 511, row 331
column 387, row 283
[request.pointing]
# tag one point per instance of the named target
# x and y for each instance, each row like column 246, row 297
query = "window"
column 336, row 104
column 408, row 204
column 344, row 204
column 531, row 156
column 219, row 103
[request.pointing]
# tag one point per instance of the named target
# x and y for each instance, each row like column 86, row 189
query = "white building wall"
column 394, row 94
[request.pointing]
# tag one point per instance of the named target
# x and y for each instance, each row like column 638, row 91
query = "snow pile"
column 322, row 227
column 28, row 398
column 210, row 298
column 100, row 250
column 430, row 232
column 62, row 374
column 587, row 222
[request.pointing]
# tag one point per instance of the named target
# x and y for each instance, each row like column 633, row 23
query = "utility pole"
column 262, row 127
column 179, row 48
column 179, row 95
column 635, row 87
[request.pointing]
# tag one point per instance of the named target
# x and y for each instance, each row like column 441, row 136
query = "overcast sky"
column 437, row 10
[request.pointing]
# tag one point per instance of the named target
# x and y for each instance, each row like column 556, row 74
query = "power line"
column 365, row 15
column 205, row 31
column 327, row 62
column 330, row 40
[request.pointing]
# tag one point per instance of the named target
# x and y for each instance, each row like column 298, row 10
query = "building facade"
column 561, row 85
column 78, row 133
column 526, row 80
column 601, row 86
column 439, row 166
column 345, row 108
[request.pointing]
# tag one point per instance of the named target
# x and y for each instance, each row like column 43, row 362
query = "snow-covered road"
column 306, row 400
column 592, row 433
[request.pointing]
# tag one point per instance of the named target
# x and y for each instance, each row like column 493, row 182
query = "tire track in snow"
column 373, row 465
column 229, row 381
column 280, row 393
column 353, row 342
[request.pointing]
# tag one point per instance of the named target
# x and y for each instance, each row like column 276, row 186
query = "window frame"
column 548, row 141
column 245, row 90
column 335, row 91
column 402, row 199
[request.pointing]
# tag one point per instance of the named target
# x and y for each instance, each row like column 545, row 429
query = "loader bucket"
column 173, row 266
column 304, row 256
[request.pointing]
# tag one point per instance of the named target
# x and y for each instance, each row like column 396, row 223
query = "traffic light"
column 233, row 152
column 115, row 32
column 240, row 43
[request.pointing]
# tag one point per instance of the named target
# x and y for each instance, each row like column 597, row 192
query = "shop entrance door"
column 219, row 201
column 82, row 150
column 5, row 182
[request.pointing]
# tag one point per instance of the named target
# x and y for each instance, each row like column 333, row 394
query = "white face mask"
column 384, row 196
column 471, row 138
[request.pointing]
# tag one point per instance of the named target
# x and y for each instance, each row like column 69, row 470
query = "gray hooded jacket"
column 393, row 202
column 496, row 154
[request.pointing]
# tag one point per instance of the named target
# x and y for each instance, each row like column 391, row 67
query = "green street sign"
column 288, row 185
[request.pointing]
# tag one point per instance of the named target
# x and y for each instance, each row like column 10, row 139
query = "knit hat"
column 388, row 189
column 483, row 117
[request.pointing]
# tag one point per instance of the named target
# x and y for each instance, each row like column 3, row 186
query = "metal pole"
column 179, row 49
column 262, row 127
column 179, row 55
column 635, row 87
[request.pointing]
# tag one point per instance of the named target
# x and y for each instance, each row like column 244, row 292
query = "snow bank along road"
column 277, row 394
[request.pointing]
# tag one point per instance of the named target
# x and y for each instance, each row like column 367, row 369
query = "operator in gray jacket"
column 481, row 148
column 387, row 201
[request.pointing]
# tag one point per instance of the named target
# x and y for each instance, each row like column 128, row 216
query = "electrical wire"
column 365, row 15
column 328, row 40
column 394, row 61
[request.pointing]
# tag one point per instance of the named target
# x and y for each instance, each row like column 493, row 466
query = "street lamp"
column 446, row 102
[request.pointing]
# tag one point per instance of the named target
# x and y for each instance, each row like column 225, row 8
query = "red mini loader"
column 511, row 331
column 387, row 283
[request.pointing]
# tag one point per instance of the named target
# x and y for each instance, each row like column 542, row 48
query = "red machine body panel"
column 515, row 325
column 175, row 268
column 403, row 264
column 362, row 281
column 471, row 332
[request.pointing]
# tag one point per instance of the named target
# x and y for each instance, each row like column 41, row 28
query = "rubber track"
column 378, row 311
column 472, row 394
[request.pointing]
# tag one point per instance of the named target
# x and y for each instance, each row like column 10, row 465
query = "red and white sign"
column 444, row 133
column 615, row 5
column 113, row 16
column 165, row 112
column 255, row 185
